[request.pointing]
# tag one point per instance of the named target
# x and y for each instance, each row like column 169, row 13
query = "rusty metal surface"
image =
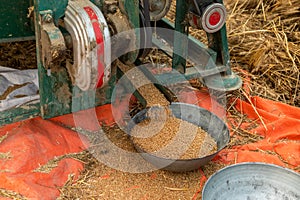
column 52, row 41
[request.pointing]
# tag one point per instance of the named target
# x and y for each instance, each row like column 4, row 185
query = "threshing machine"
column 78, row 40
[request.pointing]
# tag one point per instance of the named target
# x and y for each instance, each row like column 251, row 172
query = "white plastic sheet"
column 23, row 87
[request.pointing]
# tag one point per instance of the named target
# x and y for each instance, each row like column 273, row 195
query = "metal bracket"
column 52, row 41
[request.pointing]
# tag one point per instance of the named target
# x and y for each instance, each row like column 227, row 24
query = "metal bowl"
column 209, row 122
column 252, row 181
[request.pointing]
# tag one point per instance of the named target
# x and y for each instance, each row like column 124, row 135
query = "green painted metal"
column 14, row 23
column 57, row 7
column 160, row 85
column 193, row 43
column 132, row 10
column 200, row 54
column 191, row 73
column 19, row 113
column 57, row 95
column 219, row 43
column 227, row 81
column 180, row 39
column 224, row 82
column 50, row 85
column 55, row 88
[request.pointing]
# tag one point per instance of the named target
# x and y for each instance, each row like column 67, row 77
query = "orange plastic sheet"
column 278, row 124
column 32, row 143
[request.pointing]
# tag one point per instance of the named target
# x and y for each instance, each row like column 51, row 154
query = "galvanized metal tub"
column 212, row 124
column 253, row 181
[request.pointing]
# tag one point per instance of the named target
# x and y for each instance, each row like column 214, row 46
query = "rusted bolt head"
column 112, row 8
column 47, row 18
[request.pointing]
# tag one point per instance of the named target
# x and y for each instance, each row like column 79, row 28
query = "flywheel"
column 91, row 44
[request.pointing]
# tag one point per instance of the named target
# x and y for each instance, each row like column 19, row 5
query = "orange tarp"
column 32, row 143
column 279, row 124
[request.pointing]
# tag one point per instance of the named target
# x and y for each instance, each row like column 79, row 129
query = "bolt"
column 112, row 8
column 47, row 18
column 156, row 5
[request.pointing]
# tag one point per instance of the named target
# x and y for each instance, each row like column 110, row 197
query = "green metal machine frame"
column 15, row 23
column 58, row 96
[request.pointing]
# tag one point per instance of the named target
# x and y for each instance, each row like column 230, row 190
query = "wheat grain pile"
column 169, row 137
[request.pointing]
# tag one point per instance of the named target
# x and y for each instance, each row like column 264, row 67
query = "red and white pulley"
column 212, row 19
column 91, row 44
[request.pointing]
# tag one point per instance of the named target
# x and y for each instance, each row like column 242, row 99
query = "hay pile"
column 18, row 55
column 264, row 40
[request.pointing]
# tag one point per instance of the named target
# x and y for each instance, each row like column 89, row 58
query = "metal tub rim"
column 182, row 165
column 216, row 177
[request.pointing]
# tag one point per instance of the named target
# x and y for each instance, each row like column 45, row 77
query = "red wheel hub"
column 214, row 18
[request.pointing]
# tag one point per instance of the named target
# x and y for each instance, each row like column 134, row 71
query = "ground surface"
column 264, row 42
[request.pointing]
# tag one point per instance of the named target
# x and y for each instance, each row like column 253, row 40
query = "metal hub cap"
column 213, row 18
column 158, row 8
